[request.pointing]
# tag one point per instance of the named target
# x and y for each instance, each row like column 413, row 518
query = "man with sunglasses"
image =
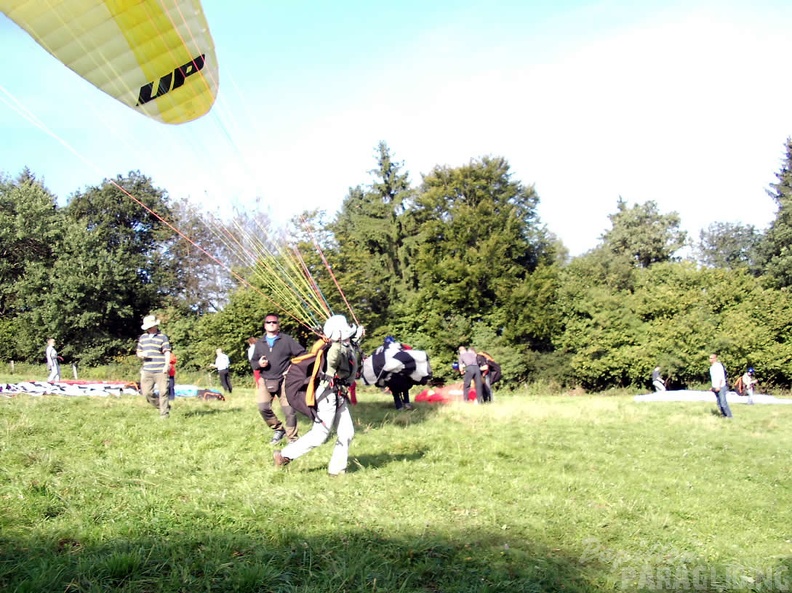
column 271, row 356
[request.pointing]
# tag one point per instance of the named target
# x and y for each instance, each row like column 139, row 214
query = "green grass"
column 533, row 493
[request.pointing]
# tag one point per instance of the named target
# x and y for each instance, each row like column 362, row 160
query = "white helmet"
column 336, row 329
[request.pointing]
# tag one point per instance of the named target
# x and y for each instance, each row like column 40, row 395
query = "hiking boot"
column 408, row 406
column 277, row 437
column 279, row 459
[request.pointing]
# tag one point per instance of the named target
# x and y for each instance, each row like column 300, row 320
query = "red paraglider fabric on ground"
column 445, row 395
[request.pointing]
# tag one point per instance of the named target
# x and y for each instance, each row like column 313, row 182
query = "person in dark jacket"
column 272, row 356
column 398, row 384
column 486, row 379
column 399, row 387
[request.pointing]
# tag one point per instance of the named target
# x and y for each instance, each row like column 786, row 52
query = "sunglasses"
column 271, row 321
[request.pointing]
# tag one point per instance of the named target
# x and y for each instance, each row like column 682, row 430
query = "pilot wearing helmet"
column 332, row 399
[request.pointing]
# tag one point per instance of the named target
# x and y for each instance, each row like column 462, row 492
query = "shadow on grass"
column 211, row 412
column 382, row 459
column 364, row 462
column 377, row 414
column 351, row 561
column 348, row 561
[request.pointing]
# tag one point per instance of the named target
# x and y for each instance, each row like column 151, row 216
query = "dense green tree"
column 229, row 329
column 462, row 258
column 776, row 248
column 112, row 270
column 240, row 319
column 88, row 303
column 674, row 315
column 370, row 240
column 30, row 230
column 644, row 235
column 126, row 216
column 478, row 237
column 529, row 316
column 312, row 241
column 730, row 246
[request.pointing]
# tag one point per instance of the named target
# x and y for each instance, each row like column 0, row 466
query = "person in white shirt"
column 53, row 361
column 222, row 363
column 657, row 380
column 719, row 385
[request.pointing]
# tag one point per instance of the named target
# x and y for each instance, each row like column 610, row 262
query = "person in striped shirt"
column 154, row 349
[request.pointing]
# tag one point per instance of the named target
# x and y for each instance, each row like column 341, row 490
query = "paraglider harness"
column 308, row 372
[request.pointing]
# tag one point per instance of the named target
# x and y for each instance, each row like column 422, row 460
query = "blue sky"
column 683, row 103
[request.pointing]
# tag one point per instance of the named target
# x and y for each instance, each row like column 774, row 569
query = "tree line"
column 459, row 258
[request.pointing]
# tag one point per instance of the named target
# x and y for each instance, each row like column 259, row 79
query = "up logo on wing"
column 171, row 81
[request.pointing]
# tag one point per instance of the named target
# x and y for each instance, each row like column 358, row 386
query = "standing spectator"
column 396, row 383
column 172, row 377
column 719, row 385
column 272, row 356
column 749, row 384
column 332, row 400
column 154, row 349
column 53, row 362
column 399, row 387
column 222, row 363
column 486, row 366
column 491, row 373
column 657, row 380
column 486, row 384
column 468, row 363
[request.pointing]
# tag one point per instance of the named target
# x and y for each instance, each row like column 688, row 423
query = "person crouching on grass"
column 332, row 400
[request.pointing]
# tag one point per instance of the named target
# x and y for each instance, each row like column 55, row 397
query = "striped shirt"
column 153, row 347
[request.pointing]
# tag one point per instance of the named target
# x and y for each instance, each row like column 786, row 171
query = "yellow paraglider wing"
column 156, row 56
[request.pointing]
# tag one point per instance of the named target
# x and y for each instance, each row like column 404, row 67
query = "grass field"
column 532, row 493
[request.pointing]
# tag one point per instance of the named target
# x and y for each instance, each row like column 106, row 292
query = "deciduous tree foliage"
column 674, row 316
column 731, row 246
column 202, row 284
column 462, row 258
column 111, row 271
column 478, row 237
column 643, row 234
